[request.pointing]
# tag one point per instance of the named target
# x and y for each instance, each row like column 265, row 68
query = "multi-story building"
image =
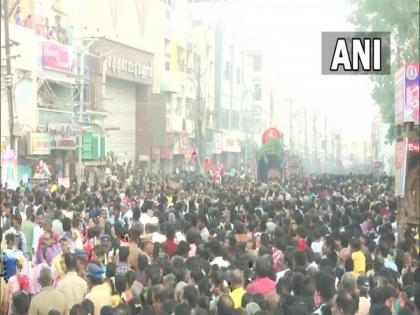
column 186, row 84
column 228, row 99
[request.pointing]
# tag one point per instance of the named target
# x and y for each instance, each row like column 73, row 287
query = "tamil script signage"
column 119, row 65
column 125, row 62
column 58, row 58
column 63, row 136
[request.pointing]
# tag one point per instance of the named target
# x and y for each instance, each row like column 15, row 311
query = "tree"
column 401, row 18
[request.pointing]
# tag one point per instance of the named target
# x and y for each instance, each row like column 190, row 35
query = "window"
column 238, row 75
column 257, row 92
column 181, row 58
column 86, row 94
column 179, row 106
column 167, row 66
column 226, row 73
column 167, row 48
column 257, row 63
column 189, row 108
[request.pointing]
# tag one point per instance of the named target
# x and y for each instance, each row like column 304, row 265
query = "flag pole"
column 198, row 160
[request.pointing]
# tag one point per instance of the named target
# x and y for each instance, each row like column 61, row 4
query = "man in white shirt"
column 15, row 229
column 202, row 227
column 38, row 231
column 217, row 255
column 283, row 264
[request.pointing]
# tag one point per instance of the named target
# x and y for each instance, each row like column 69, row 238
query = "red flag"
column 207, row 165
column 193, row 153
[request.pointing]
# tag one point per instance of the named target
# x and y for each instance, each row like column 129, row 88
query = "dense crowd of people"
column 134, row 244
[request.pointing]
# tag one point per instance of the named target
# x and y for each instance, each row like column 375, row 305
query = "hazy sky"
column 291, row 31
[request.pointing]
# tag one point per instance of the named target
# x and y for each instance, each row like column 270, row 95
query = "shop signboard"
column 414, row 146
column 127, row 63
column 59, row 58
column 232, row 142
column 39, row 143
column 63, row 136
column 400, row 166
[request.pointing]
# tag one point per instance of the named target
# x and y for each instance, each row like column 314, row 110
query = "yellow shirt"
column 359, row 263
column 236, row 296
column 56, row 262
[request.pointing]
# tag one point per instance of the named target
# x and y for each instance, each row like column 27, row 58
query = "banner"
column 400, row 166
column 59, row 58
column 9, row 165
column 411, row 101
column 64, row 181
column 38, row 181
column 406, row 94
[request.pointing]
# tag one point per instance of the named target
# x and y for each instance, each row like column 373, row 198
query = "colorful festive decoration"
column 271, row 133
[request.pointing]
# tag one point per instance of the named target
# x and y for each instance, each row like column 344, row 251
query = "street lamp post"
column 9, row 79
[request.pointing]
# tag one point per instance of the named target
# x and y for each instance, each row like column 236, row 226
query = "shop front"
column 63, row 148
column 128, row 90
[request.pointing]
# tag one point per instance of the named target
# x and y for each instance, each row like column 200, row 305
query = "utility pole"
column 326, row 139
column 200, row 117
column 306, row 137
column 9, row 77
column 315, row 146
column 291, row 125
column 81, row 109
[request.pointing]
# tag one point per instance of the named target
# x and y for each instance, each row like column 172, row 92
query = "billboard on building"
column 406, row 94
column 63, row 136
column 59, row 58
column 412, row 96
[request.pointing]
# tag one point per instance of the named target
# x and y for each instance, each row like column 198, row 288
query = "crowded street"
column 210, row 157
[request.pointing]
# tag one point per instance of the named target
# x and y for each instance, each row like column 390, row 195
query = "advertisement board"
column 59, row 58
column 126, row 63
column 411, row 91
column 63, row 136
column 232, row 142
column 39, row 144
column 406, row 94
column 400, row 166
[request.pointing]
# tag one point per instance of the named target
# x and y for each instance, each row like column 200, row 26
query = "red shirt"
column 172, row 247
column 262, row 285
column 301, row 245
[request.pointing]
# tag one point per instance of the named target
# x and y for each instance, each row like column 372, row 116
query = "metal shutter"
column 120, row 105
